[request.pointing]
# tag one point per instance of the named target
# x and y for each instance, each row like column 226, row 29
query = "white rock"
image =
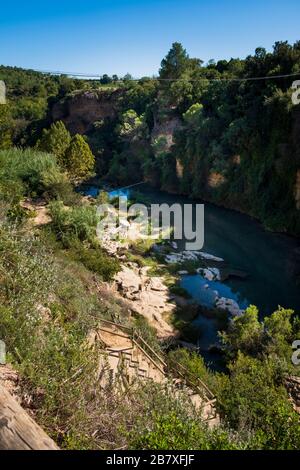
column 211, row 274
column 190, row 255
column 173, row 258
column 204, row 255
column 229, row 304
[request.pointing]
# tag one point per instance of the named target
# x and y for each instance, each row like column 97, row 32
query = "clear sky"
column 120, row 36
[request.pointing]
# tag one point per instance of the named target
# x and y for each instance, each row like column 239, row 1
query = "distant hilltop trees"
column 106, row 79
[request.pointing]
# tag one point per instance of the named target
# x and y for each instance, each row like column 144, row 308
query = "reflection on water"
column 271, row 260
column 206, row 292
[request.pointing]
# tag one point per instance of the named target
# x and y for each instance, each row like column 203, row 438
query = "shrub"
column 169, row 432
column 194, row 365
column 96, row 260
column 181, row 291
column 45, row 316
column 26, row 169
column 245, row 333
column 73, row 222
column 252, row 400
column 5, row 127
column 273, row 336
column 57, row 186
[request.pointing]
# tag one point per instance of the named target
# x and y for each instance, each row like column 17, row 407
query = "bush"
column 253, row 400
column 57, row 186
column 96, row 260
column 45, row 315
column 27, row 170
column 169, row 432
column 273, row 336
column 73, row 222
column 194, row 365
column 181, row 291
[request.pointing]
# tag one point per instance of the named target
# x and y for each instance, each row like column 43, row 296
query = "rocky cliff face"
column 164, row 130
column 80, row 110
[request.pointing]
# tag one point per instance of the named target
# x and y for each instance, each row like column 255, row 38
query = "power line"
column 245, row 79
column 127, row 187
column 234, row 79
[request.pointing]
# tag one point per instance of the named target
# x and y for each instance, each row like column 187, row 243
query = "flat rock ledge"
column 146, row 296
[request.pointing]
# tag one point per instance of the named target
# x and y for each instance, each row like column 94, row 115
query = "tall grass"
column 31, row 173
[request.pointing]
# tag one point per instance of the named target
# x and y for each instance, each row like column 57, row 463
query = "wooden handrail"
column 149, row 357
column 195, row 381
column 133, row 334
column 195, row 378
column 119, row 325
column 113, row 333
column 150, row 348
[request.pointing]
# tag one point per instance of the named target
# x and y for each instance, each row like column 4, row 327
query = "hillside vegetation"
column 193, row 130
column 53, row 295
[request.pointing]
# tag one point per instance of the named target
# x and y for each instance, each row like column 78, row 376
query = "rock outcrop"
column 146, row 296
column 164, row 130
column 80, row 110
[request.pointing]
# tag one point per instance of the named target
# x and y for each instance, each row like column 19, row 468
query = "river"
column 271, row 260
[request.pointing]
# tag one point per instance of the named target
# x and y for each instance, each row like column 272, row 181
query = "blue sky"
column 119, row 36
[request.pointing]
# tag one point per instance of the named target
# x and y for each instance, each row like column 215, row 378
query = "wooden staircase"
column 127, row 357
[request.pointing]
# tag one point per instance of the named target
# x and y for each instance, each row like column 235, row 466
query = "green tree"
column 254, row 402
column 279, row 333
column 245, row 333
column 105, row 79
column 79, row 159
column 178, row 65
column 132, row 126
column 127, row 77
column 193, row 115
column 55, row 140
column 175, row 62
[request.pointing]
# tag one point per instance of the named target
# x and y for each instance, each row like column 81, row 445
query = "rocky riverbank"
column 147, row 296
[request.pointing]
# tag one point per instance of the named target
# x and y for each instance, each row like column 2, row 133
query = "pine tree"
column 175, row 62
column 55, row 140
column 78, row 157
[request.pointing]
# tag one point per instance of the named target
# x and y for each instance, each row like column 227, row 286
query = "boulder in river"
column 230, row 305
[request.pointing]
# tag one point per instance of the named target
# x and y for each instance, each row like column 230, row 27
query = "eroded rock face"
column 164, row 131
column 80, row 110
